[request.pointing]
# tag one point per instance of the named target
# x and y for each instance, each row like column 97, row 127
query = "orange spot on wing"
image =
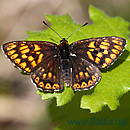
column 54, row 77
column 44, row 75
column 91, row 44
column 115, row 51
column 97, row 60
column 81, row 74
column 117, row 42
column 94, row 78
column 14, row 56
column 33, row 63
column 86, row 74
column 76, row 86
column 117, row 47
column 34, row 75
column 104, row 65
column 90, row 55
column 105, row 43
column 41, row 84
column 24, row 56
column 25, row 51
column 22, row 44
column 90, row 82
column 91, row 49
column 38, row 52
column 100, row 54
column 43, row 70
column 113, row 56
column 30, row 58
column 11, row 44
column 55, row 86
column 37, row 48
column 87, row 68
column 27, row 69
column 11, row 47
column 11, row 52
column 83, row 85
column 17, row 61
column 108, row 60
column 105, row 52
column 23, row 64
column 48, row 86
column 40, row 58
column 77, row 76
column 103, row 47
column 37, row 79
column 49, row 74
column 23, row 47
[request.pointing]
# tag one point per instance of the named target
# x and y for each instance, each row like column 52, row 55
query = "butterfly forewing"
column 101, row 51
column 28, row 55
column 84, row 74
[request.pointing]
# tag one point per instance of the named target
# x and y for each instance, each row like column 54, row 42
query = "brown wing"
column 101, row 52
column 84, row 74
column 48, row 76
column 29, row 55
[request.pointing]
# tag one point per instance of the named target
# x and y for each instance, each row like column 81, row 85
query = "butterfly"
column 77, row 65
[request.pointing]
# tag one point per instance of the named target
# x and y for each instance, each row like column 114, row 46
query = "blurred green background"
column 20, row 107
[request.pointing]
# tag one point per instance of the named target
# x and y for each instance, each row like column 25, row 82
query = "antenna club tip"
column 44, row 22
column 85, row 24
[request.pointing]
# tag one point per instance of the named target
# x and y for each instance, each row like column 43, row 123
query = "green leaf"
column 114, row 82
column 62, row 97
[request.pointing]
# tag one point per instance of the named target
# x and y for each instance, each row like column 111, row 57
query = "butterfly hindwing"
column 48, row 76
column 84, row 74
column 101, row 52
column 28, row 55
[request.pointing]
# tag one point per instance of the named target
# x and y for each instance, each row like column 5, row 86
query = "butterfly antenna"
column 52, row 29
column 78, row 29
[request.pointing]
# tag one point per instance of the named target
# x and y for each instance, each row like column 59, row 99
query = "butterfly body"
column 64, row 49
column 76, row 64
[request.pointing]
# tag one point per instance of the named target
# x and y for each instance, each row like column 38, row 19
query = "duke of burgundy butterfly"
column 76, row 64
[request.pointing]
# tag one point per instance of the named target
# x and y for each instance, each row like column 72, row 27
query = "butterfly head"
column 64, row 49
column 63, row 40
